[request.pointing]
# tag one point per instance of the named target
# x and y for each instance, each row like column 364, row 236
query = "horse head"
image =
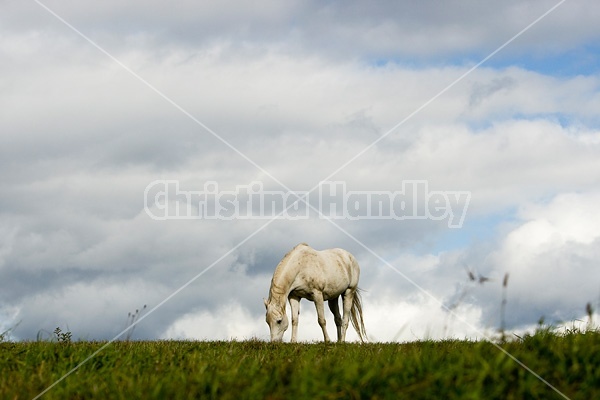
column 277, row 320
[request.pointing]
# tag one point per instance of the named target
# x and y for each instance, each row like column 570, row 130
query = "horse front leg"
column 335, row 309
column 295, row 307
column 318, row 299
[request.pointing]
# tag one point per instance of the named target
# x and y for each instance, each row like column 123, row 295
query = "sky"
column 100, row 100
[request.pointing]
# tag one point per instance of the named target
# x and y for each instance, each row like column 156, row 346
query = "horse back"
column 329, row 271
column 343, row 260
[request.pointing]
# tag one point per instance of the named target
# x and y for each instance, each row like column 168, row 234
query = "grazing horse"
column 305, row 273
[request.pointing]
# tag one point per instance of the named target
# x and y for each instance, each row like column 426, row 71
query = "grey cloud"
column 481, row 91
column 350, row 30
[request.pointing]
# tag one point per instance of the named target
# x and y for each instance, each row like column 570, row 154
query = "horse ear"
column 265, row 300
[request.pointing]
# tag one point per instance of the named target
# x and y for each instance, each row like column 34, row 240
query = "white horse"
column 305, row 273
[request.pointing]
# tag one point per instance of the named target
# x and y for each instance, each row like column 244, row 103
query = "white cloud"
column 422, row 319
column 225, row 322
column 552, row 256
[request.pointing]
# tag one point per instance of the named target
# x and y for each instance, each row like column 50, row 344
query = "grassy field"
column 256, row 370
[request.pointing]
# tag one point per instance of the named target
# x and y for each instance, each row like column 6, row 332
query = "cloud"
column 300, row 89
column 482, row 91
column 549, row 253
column 227, row 322
column 551, row 256
column 336, row 29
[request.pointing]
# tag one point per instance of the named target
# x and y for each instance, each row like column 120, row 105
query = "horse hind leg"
column 335, row 309
column 348, row 298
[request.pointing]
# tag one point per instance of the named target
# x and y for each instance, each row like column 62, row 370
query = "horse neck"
column 281, row 284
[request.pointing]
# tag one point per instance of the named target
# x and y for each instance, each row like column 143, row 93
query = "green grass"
column 255, row 370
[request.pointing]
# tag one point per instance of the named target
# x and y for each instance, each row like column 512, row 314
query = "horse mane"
column 288, row 255
column 279, row 270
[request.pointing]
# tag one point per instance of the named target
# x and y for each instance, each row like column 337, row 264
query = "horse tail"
column 357, row 318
